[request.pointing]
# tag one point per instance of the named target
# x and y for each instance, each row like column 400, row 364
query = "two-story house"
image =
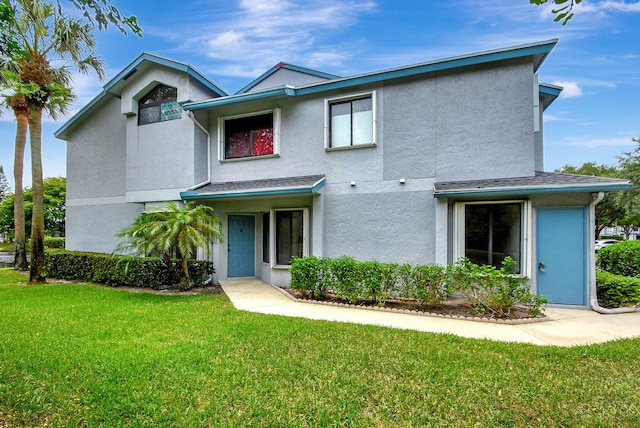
column 424, row 163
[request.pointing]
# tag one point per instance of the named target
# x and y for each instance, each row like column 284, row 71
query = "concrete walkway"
column 566, row 327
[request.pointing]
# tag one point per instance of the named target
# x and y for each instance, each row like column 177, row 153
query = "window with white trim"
column 160, row 104
column 487, row 232
column 249, row 136
column 350, row 122
column 290, row 231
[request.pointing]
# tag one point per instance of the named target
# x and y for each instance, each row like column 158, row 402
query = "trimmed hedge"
column 53, row 242
column 615, row 291
column 117, row 270
column 488, row 289
column 620, row 259
column 618, row 275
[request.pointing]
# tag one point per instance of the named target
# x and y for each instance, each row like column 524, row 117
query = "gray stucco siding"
column 93, row 227
column 485, row 123
column 410, row 128
column 160, row 155
column 96, row 155
column 388, row 227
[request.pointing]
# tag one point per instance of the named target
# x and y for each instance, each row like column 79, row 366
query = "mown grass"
column 7, row 247
column 77, row 355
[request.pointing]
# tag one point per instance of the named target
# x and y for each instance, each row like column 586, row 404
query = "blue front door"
column 562, row 255
column 241, row 246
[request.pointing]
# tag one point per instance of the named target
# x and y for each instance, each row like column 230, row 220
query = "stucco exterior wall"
column 485, row 123
column 96, row 155
column 160, row 155
column 387, row 226
column 474, row 124
column 115, row 166
column 93, row 227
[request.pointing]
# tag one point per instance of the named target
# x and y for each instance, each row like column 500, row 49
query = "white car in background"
column 601, row 243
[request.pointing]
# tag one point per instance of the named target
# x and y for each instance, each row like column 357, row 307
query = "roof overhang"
column 143, row 62
column 538, row 51
column 146, row 59
column 548, row 93
column 287, row 186
column 291, row 67
column 541, row 183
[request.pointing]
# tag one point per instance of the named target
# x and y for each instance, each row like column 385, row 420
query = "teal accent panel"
column 562, row 255
column 241, row 246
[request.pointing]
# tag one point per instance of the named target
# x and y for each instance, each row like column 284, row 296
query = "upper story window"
column 350, row 122
column 159, row 105
column 249, row 136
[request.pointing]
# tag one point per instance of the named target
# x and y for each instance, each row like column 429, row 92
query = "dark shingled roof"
column 541, row 182
column 283, row 185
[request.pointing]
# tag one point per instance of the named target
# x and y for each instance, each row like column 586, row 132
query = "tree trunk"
column 20, row 261
column 166, row 258
column 37, row 273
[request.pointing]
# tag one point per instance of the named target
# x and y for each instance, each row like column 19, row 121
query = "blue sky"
column 597, row 59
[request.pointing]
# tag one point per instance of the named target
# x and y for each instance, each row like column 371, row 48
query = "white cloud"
column 554, row 118
column 600, row 142
column 261, row 32
column 618, row 6
column 571, row 89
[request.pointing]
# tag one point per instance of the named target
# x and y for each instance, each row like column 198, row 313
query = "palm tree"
column 171, row 229
column 19, row 107
column 45, row 34
column 16, row 99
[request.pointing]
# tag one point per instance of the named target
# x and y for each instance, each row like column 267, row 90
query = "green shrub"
column 116, row 270
column 430, row 284
column 53, row 242
column 615, row 291
column 620, row 259
column 306, row 276
column 487, row 288
column 372, row 276
column 492, row 290
column 345, row 279
column 617, row 237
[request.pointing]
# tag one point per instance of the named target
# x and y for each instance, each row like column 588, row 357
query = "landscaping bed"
column 482, row 293
column 458, row 308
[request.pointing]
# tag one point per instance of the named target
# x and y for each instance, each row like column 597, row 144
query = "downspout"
column 202, row 128
column 593, row 292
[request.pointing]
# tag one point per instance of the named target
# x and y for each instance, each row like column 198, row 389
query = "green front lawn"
column 6, row 247
column 77, row 355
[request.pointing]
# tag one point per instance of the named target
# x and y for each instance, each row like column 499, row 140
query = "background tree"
column 563, row 9
column 4, row 185
column 171, row 230
column 54, row 208
column 629, row 163
column 55, row 195
column 628, row 223
column 102, row 13
column 97, row 12
column 609, row 210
